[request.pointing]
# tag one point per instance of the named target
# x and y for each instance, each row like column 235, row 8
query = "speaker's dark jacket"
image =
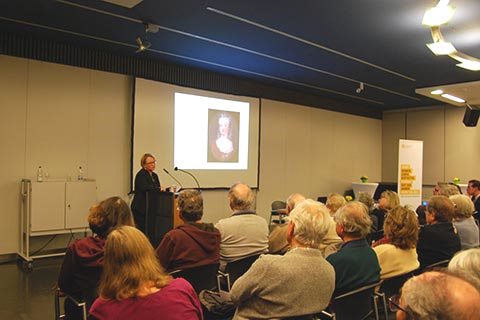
column 144, row 182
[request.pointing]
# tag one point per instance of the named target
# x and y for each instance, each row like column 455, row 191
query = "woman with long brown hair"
column 135, row 286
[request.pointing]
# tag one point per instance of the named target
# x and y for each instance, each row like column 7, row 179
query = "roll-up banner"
column 410, row 169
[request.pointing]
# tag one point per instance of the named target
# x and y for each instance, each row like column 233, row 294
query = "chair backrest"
column 355, row 305
column 436, row 265
column 237, row 268
column 278, row 210
column 391, row 286
column 201, row 278
column 79, row 310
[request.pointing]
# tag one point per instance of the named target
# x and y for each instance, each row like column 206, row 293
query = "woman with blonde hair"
column 334, row 202
column 146, row 181
column 398, row 255
column 463, row 221
column 388, row 199
column 83, row 262
column 135, row 286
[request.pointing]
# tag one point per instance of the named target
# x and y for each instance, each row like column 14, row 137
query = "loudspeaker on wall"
column 470, row 119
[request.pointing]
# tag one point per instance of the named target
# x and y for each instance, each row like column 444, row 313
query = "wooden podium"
column 162, row 215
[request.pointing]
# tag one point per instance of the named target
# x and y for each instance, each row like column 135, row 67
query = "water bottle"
column 39, row 174
column 80, row 173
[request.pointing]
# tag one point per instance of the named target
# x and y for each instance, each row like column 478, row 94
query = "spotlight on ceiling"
column 142, row 45
column 360, row 88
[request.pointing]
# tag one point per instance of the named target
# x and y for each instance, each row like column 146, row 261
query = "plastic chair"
column 201, row 278
column 80, row 305
column 234, row 270
column 279, row 211
column 358, row 304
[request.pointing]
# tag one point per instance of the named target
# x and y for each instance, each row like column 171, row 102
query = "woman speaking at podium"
column 146, row 180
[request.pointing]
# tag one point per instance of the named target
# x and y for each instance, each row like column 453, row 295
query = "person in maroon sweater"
column 134, row 285
column 194, row 243
column 83, row 262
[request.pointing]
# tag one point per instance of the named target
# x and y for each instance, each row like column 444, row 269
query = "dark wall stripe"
column 26, row 46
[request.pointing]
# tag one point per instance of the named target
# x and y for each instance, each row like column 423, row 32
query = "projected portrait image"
column 223, row 129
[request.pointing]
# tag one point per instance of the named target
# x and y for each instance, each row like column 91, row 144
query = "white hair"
column 467, row 263
column 311, row 222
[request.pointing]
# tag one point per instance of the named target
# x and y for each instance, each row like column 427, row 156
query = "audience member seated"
column 440, row 189
column 135, row 287
column 467, row 263
column 298, row 283
column 192, row 244
column 438, row 240
column 244, row 233
column 463, row 221
column 83, row 261
column 473, row 191
column 355, row 264
column 399, row 255
column 334, row 202
column 388, row 200
column 438, row 296
column 368, row 201
column 277, row 240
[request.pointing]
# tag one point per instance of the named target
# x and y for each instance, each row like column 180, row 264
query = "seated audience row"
column 83, row 261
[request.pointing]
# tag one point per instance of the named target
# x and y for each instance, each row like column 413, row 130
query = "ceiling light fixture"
column 434, row 18
column 361, row 87
column 437, row 92
column 453, row 98
column 441, row 48
column 144, row 44
column 438, row 15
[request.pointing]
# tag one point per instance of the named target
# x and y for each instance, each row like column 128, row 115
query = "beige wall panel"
column 57, row 119
column 321, row 146
column 462, row 147
column 13, row 108
column 273, row 150
column 298, row 155
column 428, row 126
column 109, row 134
column 393, row 129
column 356, row 151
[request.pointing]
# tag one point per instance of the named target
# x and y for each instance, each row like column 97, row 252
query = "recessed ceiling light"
column 441, row 48
column 453, row 98
column 438, row 91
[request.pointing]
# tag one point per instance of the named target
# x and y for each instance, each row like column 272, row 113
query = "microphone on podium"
column 190, row 174
column 181, row 186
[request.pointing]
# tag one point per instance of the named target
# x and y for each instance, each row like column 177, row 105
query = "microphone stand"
column 181, row 186
column 190, row 174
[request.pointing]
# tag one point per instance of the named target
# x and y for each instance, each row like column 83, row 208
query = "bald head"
column 240, row 197
column 438, row 295
column 293, row 200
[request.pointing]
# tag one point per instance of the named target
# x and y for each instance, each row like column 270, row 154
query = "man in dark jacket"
column 192, row 244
